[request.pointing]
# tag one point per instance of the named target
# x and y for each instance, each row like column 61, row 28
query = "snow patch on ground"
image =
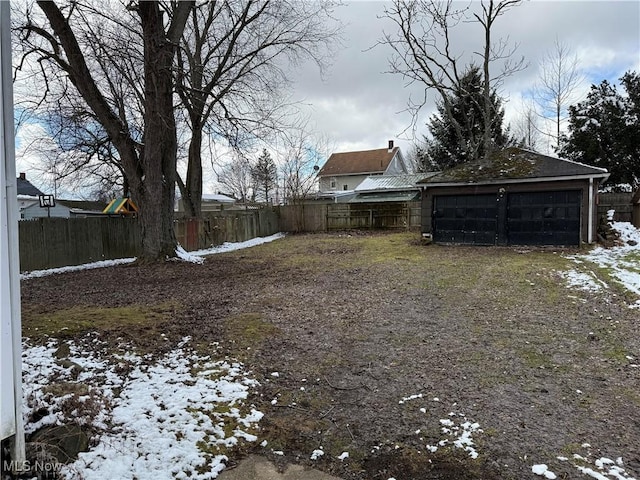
column 459, row 433
column 75, row 268
column 158, row 418
column 587, row 281
column 543, row 471
column 622, row 263
column 457, row 430
column 229, row 247
column 601, row 468
column 316, row 454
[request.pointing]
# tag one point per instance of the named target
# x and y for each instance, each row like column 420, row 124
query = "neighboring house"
column 64, row 209
column 345, row 171
column 28, row 194
column 515, row 197
column 211, row 202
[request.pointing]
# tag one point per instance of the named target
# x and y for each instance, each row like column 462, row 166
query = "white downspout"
column 591, row 207
column 10, row 249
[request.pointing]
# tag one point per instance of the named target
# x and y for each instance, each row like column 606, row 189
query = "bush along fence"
column 57, row 242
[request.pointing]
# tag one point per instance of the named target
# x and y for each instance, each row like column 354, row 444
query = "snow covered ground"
column 622, row 263
column 167, row 418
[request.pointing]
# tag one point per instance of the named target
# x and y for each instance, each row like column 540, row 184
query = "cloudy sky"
column 360, row 107
column 356, row 105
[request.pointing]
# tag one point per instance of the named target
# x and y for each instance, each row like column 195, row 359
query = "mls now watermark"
column 31, row 467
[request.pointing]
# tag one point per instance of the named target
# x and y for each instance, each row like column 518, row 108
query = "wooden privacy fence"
column 620, row 202
column 57, row 242
column 345, row 216
column 226, row 226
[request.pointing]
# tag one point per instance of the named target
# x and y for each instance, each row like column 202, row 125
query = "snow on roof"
column 217, row 197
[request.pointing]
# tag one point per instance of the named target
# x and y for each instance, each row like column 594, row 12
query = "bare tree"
column 526, row 127
column 560, row 78
column 85, row 158
column 149, row 159
column 424, row 54
column 235, row 177
column 303, row 153
column 232, row 71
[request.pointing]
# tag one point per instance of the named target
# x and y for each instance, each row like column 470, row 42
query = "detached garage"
column 515, row 197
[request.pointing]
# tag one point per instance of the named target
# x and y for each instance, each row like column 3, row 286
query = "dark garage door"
column 544, row 218
column 532, row 218
column 470, row 219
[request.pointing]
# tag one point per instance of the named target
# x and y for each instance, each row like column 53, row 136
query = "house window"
column 345, row 187
column 333, row 183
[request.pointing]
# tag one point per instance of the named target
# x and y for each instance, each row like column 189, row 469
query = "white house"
column 63, row 209
column 344, row 171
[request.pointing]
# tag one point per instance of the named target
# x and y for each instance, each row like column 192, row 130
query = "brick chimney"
column 390, row 145
column 23, row 176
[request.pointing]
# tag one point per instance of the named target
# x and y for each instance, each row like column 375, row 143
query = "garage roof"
column 514, row 165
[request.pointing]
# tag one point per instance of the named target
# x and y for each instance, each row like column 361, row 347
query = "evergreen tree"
column 604, row 130
column 457, row 129
column 265, row 176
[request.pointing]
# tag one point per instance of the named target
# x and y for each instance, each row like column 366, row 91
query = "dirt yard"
column 387, row 349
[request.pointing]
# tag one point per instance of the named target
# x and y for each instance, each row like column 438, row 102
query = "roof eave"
column 390, row 190
column 320, row 174
column 602, row 176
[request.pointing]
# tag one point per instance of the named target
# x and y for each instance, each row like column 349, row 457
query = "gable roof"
column 515, row 165
column 358, row 163
column 25, row 187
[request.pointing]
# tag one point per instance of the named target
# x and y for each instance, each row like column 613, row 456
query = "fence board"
column 345, row 216
column 56, row 242
column 620, row 202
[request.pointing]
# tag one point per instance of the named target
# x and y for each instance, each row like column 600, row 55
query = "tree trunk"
column 151, row 170
column 487, row 113
column 158, row 157
column 192, row 197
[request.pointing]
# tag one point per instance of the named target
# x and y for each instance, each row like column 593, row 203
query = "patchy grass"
column 249, row 330
column 73, row 321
